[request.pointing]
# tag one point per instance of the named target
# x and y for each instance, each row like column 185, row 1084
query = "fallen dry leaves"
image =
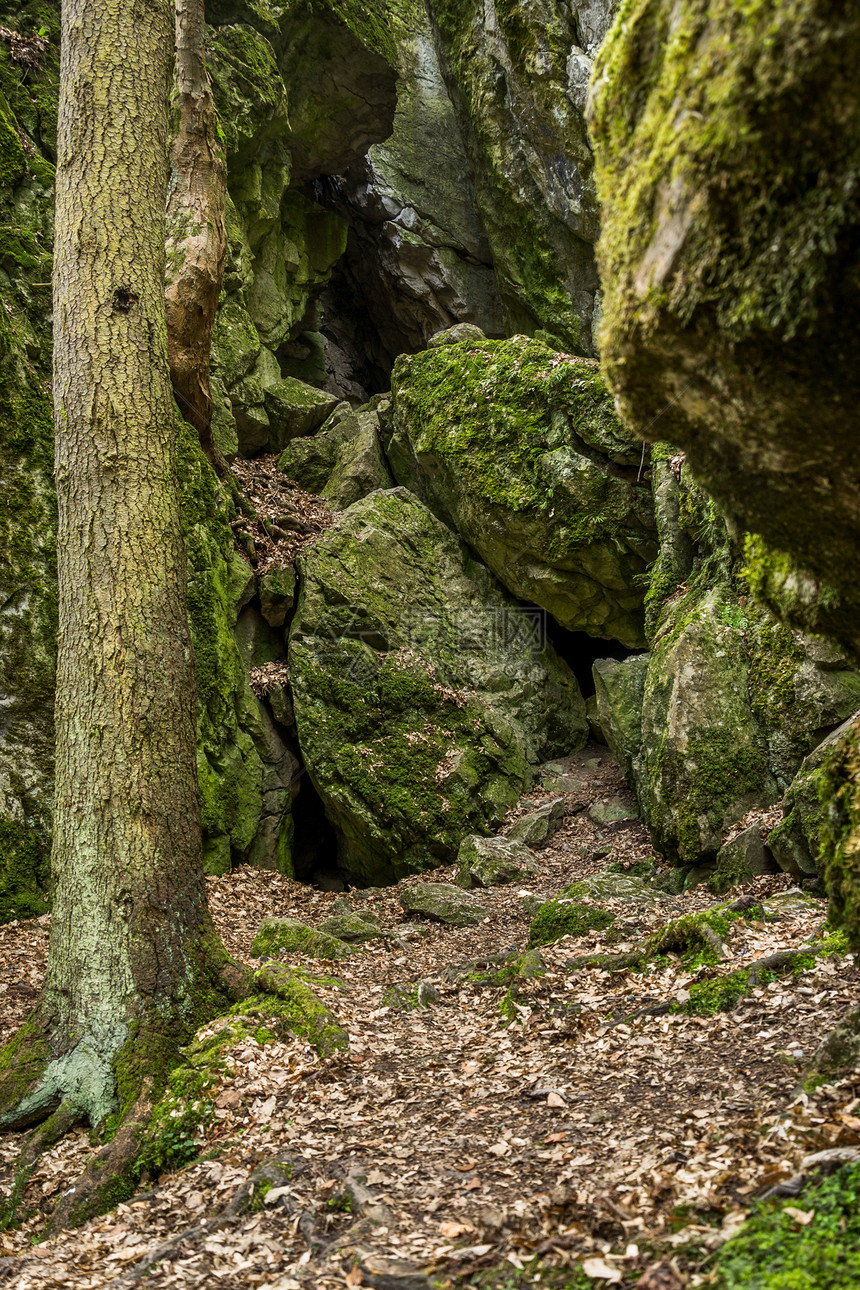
column 572, row 1134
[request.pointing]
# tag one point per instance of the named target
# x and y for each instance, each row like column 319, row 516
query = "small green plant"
column 340, row 1203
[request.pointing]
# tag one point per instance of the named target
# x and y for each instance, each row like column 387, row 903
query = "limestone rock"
column 302, row 1011
column 353, row 927
column 724, row 255
column 277, row 594
column 798, row 841
column 517, row 75
column 609, row 885
column 745, row 857
column 521, row 450
column 420, row 704
column 620, row 691
column 418, row 258
column 782, row 904
column 344, row 462
column 489, row 862
column 295, row 409
column 294, row 937
column 443, row 903
column 536, row 828
column 461, row 333
column 613, row 810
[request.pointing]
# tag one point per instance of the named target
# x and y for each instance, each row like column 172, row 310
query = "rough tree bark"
column 135, row 965
column 196, row 234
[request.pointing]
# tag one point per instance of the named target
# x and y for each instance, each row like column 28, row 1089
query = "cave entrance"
column 314, row 840
column 580, row 652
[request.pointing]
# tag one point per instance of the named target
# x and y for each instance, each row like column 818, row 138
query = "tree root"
column 66, row 1117
column 782, row 961
column 108, row 1178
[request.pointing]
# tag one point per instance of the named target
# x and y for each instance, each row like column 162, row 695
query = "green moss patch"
column 292, row 937
column 775, row 1252
column 564, row 917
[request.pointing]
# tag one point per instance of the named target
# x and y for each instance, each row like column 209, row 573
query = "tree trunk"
column 134, row 963
column 196, row 236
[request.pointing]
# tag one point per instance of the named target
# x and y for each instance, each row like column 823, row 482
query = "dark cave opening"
column 314, row 839
column 580, row 651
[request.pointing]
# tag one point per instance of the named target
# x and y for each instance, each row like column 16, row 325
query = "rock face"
column 301, row 91
column 417, row 258
column 517, row 71
column 717, row 718
column 418, row 702
column 729, row 259
column 519, row 449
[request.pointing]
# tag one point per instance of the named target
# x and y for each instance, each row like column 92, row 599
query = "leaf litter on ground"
column 503, row 1123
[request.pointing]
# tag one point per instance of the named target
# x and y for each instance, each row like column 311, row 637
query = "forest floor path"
column 508, row 1134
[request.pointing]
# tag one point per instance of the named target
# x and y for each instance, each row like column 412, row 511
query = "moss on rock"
column 288, row 935
column 518, row 82
column 567, row 917
column 419, row 697
column 730, row 264
column 520, row 447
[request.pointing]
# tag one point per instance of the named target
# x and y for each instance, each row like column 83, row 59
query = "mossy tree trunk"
column 134, row 964
column 196, row 233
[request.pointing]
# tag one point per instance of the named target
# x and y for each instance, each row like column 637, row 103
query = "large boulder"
column 490, row 862
column 519, row 448
column 728, row 150
column 718, row 717
column 731, row 703
column 342, row 463
column 799, row 841
column 420, row 697
column 443, row 903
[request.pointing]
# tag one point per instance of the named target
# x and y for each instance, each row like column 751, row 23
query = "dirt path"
column 468, row 1138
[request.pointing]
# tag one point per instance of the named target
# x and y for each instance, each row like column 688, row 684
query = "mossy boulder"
column 537, row 827
column 620, row 693
column 520, row 449
column 797, row 841
column 567, row 917
column 443, row 903
column 420, row 700
column 489, row 862
column 344, row 462
column 839, row 845
column 718, row 717
column 729, row 260
column 296, row 1006
column 294, row 937
column 354, row 928
column 745, row 857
